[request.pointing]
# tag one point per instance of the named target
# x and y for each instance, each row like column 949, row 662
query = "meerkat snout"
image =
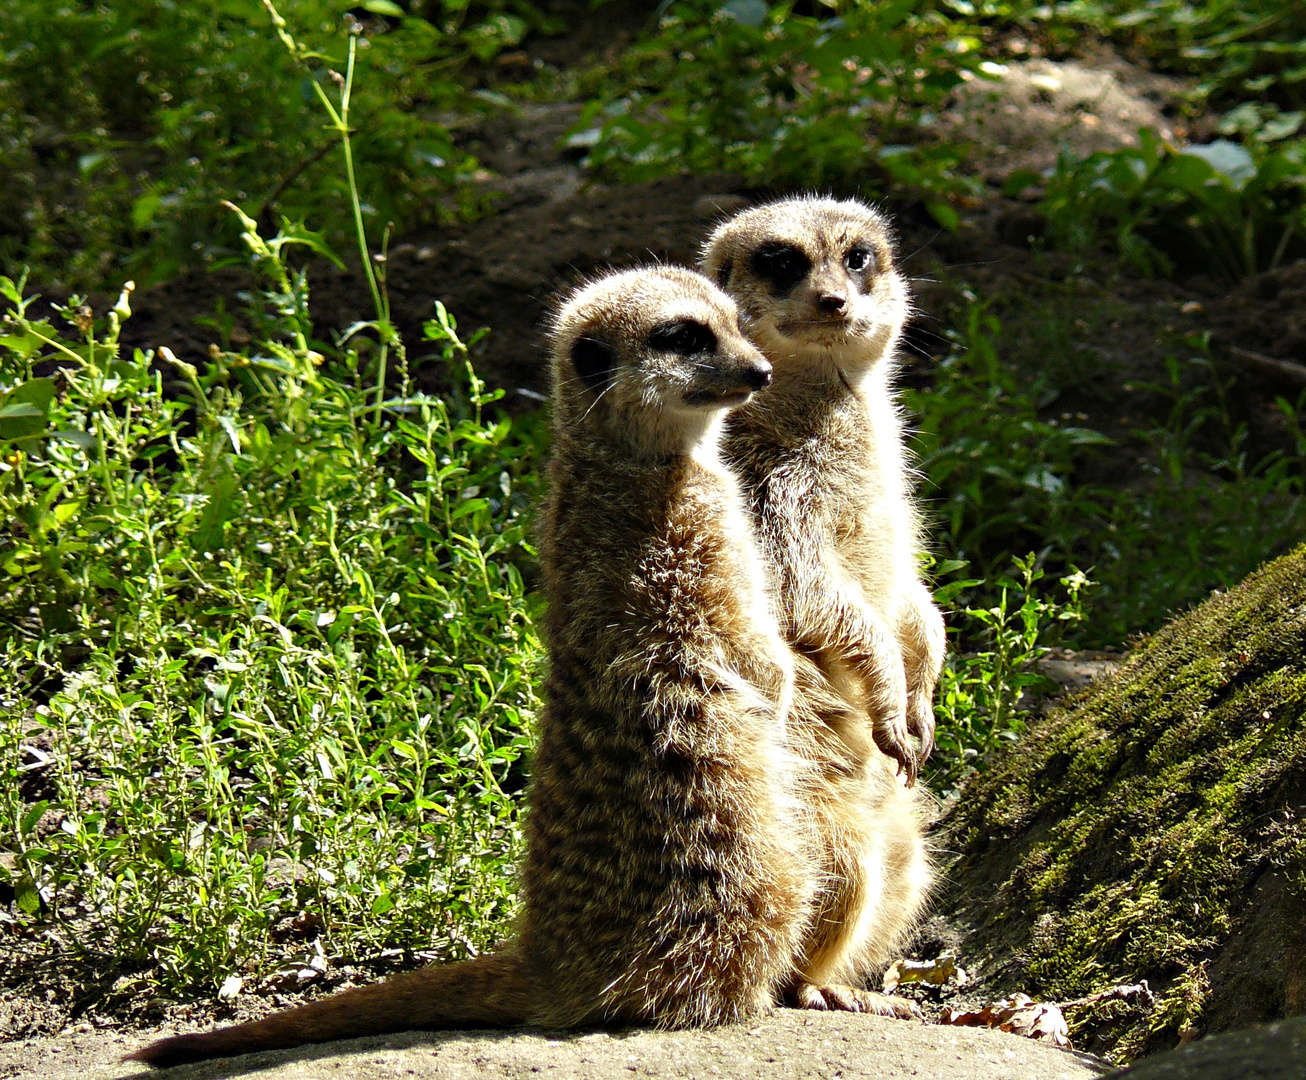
column 832, row 303
column 759, row 376
column 717, row 370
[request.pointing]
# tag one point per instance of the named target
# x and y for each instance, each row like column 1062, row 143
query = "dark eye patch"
column 782, row 266
column 593, row 361
column 684, row 337
column 861, row 258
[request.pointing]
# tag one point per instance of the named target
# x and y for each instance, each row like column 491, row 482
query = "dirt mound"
column 1154, row 828
column 1266, row 313
column 1032, row 110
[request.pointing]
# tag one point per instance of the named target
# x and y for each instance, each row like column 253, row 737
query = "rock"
column 790, row 1044
column 1153, row 828
column 1267, row 1052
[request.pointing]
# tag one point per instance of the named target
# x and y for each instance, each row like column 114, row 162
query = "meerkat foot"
column 836, row 997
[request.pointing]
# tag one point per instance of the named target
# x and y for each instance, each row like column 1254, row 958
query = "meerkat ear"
column 723, row 273
column 593, row 361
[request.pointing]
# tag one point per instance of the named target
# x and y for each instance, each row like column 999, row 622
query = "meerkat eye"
column 685, row 338
column 860, row 258
column 781, row 265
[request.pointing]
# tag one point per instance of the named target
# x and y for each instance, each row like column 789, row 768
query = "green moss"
column 1124, row 837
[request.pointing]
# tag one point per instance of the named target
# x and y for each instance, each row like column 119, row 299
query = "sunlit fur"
column 667, row 877
column 820, row 455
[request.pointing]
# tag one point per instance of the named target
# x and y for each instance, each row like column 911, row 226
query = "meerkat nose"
column 832, row 303
column 758, row 376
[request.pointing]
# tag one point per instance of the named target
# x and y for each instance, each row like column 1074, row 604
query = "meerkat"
column 665, row 879
column 821, row 458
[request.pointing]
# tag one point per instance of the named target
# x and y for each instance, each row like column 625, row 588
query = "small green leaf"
column 233, row 432
column 84, row 439
column 144, row 210
column 745, row 12
column 295, row 232
column 1018, row 181
column 31, row 816
column 221, row 508
column 20, row 408
column 24, row 409
column 60, row 515
column 1230, row 160
column 944, row 214
column 26, row 895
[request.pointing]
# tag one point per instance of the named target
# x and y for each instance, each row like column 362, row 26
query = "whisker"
column 922, row 246
column 597, row 400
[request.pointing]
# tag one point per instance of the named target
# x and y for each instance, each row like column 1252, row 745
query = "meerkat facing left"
column 821, row 456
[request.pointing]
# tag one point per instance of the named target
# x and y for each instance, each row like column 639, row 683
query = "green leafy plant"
column 265, row 662
column 1237, row 49
column 1232, row 209
column 1209, row 513
column 984, row 695
column 999, row 477
column 786, row 99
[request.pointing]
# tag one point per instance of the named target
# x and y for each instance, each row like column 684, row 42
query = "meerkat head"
column 813, row 278
column 652, row 358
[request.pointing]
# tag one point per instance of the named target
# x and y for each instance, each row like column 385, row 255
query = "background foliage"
column 124, row 123
column 269, row 664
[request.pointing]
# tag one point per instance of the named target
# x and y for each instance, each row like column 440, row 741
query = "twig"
column 1273, row 366
column 292, row 176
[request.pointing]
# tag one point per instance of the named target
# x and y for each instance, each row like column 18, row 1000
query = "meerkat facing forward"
column 666, row 878
column 821, row 457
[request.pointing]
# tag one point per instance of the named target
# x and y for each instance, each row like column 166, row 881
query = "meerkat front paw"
column 920, row 722
column 892, row 736
column 887, row 708
column 836, row 997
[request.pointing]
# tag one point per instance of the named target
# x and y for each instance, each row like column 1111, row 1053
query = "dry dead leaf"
column 1020, row 1015
column 935, row 972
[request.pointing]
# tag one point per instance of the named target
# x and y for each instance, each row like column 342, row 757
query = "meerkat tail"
column 489, row 991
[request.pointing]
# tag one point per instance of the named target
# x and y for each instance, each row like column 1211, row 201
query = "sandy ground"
column 790, row 1044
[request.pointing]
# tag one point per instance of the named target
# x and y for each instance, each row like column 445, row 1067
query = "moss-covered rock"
column 1154, row 828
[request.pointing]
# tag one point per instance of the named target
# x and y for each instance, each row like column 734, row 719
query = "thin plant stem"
column 340, row 125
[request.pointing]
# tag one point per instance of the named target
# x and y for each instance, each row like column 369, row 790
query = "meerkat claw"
column 835, row 997
column 920, row 722
column 894, row 741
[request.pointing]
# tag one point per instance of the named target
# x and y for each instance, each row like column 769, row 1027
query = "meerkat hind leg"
column 858, row 917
